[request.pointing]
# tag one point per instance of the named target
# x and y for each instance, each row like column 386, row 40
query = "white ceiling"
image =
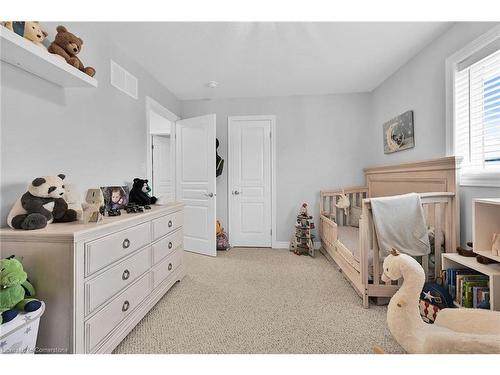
column 270, row 58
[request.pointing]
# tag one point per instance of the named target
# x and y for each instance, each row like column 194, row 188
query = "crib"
column 348, row 237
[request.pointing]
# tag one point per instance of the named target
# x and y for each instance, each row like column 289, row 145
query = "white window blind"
column 477, row 114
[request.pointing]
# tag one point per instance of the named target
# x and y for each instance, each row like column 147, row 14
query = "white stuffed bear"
column 73, row 198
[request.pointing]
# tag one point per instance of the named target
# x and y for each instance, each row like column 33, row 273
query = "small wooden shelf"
column 454, row 260
column 485, row 222
column 25, row 55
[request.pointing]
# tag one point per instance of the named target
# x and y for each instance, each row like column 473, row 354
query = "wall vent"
column 123, row 80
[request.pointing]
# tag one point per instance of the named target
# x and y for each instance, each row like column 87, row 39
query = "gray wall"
column 95, row 136
column 321, row 143
column 420, row 86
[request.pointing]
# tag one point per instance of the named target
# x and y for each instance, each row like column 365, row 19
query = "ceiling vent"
column 123, row 80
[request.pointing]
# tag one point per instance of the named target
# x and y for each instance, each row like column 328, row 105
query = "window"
column 477, row 115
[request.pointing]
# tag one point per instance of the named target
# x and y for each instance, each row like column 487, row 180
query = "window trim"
column 467, row 178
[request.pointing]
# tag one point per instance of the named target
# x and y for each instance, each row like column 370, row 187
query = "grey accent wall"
column 321, row 143
column 95, row 136
column 420, row 86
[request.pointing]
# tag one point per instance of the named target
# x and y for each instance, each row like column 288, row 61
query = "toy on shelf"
column 114, row 212
column 133, row 208
column 454, row 330
column 139, row 194
column 302, row 239
column 16, row 292
column 93, row 207
column 42, row 204
column 73, row 198
column 67, row 45
column 495, row 246
column 30, row 30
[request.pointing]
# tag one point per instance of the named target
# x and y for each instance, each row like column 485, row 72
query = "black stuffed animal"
column 139, row 194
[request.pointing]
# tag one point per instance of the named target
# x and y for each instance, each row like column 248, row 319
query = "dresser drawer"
column 167, row 245
column 106, row 250
column 166, row 224
column 101, row 324
column 167, row 267
column 103, row 287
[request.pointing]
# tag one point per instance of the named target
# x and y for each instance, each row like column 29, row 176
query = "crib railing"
column 438, row 210
column 328, row 201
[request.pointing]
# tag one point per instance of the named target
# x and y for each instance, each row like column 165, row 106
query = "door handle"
column 210, row 195
column 236, row 192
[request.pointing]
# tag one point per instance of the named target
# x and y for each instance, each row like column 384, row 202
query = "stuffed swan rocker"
column 454, row 331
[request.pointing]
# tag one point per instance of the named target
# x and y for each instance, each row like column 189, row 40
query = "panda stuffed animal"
column 42, row 204
column 139, row 194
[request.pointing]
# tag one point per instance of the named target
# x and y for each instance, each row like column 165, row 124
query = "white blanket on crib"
column 400, row 223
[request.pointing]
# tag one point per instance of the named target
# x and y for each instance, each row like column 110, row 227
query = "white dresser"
column 99, row 280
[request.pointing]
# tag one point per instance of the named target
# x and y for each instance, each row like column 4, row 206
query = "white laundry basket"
column 19, row 335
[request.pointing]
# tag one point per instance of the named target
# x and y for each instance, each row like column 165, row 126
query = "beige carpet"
column 260, row 301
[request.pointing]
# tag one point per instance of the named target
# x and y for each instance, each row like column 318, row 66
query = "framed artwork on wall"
column 399, row 134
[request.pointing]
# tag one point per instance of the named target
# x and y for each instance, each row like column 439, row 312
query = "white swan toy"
column 454, row 331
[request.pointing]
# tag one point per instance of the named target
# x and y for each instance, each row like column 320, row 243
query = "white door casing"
column 250, row 180
column 162, row 183
column 155, row 125
column 195, row 182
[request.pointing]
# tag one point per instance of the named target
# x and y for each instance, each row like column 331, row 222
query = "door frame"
column 272, row 119
column 153, row 105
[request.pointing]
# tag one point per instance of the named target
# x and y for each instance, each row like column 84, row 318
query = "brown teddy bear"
column 67, row 46
column 30, row 30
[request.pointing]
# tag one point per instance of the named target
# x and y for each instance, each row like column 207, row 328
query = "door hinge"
column 270, row 135
column 271, row 232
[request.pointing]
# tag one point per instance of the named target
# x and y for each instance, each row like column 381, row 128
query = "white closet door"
column 250, row 181
column 195, row 182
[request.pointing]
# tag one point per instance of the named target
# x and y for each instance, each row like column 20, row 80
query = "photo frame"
column 115, row 197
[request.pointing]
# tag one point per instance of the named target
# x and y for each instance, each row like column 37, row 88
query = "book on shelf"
column 480, row 294
column 462, row 280
column 467, row 291
column 467, row 287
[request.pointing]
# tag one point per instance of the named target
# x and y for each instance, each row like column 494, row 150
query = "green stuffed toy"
column 16, row 292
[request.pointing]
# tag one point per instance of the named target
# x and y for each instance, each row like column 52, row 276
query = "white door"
column 195, row 171
column 162, row 167
column 250, row 180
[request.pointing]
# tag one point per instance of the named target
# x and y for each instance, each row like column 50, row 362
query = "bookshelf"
column 485, row 222
column 454, row 260
column 25, row 55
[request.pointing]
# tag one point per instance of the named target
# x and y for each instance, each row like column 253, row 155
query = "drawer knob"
column 126, row 243
column 125, row 306
column 170, row 223
column 170, row 245
column 170, row 266
column 125, row 275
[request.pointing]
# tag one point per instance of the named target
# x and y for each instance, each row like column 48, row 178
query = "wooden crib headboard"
column 437, row 175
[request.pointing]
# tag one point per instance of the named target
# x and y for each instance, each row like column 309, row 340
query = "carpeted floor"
column 260, row 301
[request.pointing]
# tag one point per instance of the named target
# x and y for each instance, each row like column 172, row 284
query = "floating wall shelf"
column 25, row 55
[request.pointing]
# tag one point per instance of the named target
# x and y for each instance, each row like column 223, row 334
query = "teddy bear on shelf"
column 42, row 204
column 67, row 46
column 139, row 194
column 30, row 30
column 73, row 198
column 16, row 292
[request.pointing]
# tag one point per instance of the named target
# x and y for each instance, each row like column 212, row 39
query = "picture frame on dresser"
column 98, row 282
